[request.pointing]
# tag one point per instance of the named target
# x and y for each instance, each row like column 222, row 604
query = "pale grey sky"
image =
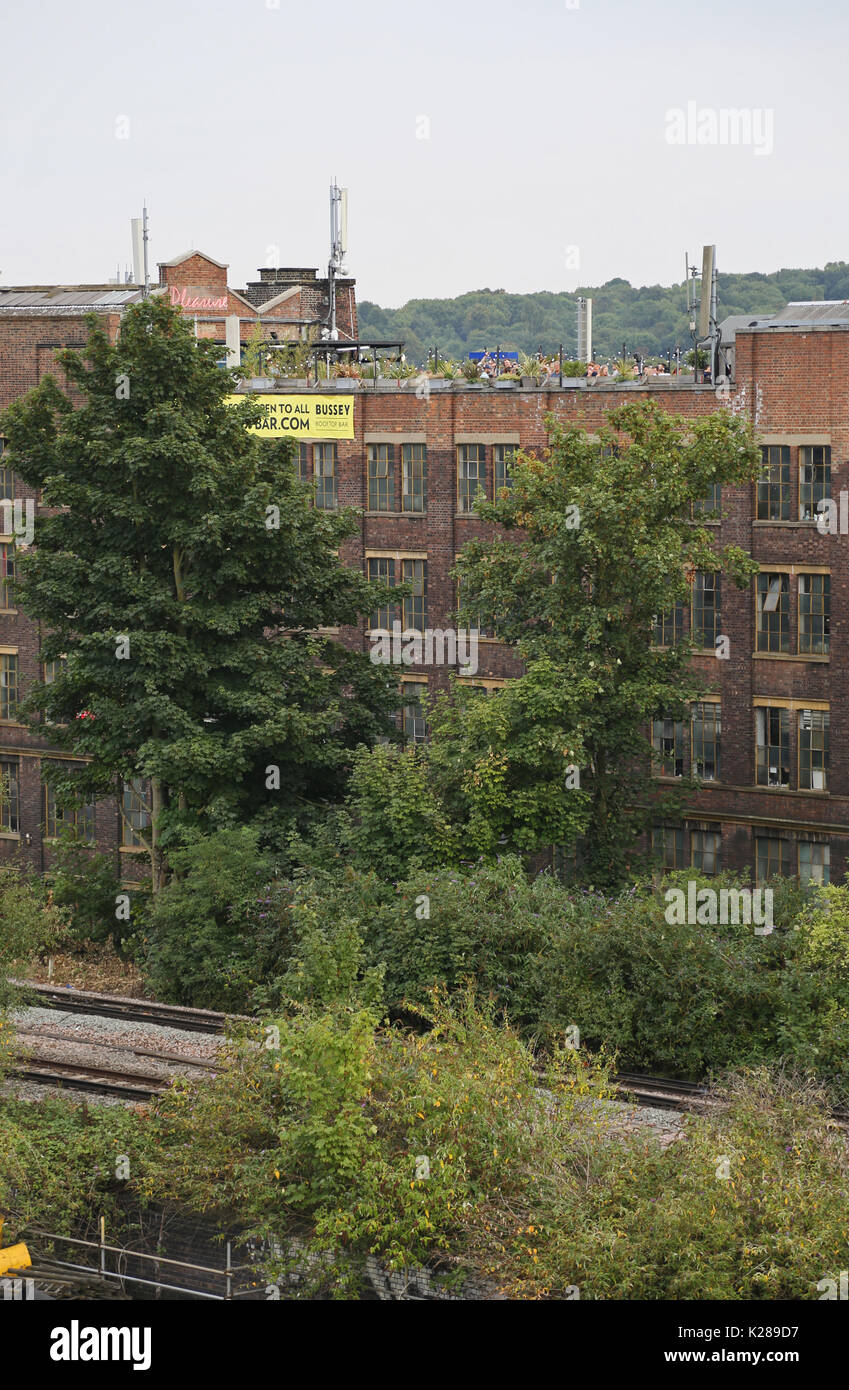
column 546, row 125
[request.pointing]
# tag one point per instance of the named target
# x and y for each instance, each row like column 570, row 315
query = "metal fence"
column 101, row 1269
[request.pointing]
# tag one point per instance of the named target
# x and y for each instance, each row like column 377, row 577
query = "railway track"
column 100, row 1076
column 82, row 1001
column 204, row 1063
column 657, row 1092
column 662, row 1092
column 75, row 1076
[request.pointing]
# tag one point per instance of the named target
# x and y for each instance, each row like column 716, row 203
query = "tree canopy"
column 182, row 577
column 650, row 319
column 597, row 540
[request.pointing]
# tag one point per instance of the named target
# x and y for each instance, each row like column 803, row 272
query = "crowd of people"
column 493, row 364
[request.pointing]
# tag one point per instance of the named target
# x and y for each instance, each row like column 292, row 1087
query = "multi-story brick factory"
column 775, row 776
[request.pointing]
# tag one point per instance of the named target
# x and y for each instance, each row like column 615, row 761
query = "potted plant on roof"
column 470, row 370
column 531, row 370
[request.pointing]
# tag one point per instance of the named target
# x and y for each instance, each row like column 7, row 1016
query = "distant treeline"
column 649, row 320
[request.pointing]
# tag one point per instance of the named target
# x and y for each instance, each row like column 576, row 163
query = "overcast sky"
column 522, row 145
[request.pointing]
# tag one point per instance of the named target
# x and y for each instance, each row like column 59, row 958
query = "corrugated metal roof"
column 819, row 311
column 729, row 326
column 67, row 297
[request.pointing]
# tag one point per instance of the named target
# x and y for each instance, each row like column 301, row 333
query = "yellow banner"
column 308, row 417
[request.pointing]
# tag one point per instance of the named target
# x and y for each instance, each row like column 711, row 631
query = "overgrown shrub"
column 364, row 1140
column 675, row 999
column 219, row 927
column 84, row 883
column 463, row 1149
column 30, row 923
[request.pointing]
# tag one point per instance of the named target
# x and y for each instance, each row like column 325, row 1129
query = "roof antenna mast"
column 141, row 274
column 338, row 248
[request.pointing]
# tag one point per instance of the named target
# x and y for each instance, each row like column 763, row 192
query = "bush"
column 681, row 1000
column 57, row 1163
column 370, row 1141
column 463, row 1150
column 30, row 923
column 84, row 883
column 219, row 927
column 750, row 1204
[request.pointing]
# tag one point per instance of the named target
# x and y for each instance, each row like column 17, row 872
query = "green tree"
column 651, row 319
column 597, row 540
column 30, row 923
column 183, row 577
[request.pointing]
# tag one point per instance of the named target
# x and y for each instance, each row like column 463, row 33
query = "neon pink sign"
column 184, row 300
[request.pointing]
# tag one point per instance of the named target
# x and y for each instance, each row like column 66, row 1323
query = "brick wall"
column 793, row 382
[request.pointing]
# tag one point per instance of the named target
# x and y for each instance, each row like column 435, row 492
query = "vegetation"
column 30, row 923
column 596, row 539
column 84, row 884
column 425, row 1078
column 651, row 319
column 689, row 999
column 462, row 1151
column 178, row 542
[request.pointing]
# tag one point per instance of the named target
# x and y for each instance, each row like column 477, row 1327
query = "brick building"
column 771, row 739
column 290, row 304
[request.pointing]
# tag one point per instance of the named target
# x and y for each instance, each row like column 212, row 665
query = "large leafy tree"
column 596, row 539
column 184, row 577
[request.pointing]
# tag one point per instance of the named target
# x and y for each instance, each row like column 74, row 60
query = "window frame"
column 415, row 603
column 503, row 456
column 10, row 685
column 699, row 630
column 10, row 806
column 825, row 866
column 703, row 853
column 468, row 487
column 778, row 490
column 7, row 574
column 55, row 818
column 414, row 478
column 679, row 749
column 805, row 755
column 673, row 617
column 413, row 728
column 817, row 490
column 134, row 803
column 699, row 711
column 780, row 629
column 322, row 453
column 380, row 499
column 674, row 835
column 804, row 575
column 390, row 612
column 767, row 711
column 786, row 856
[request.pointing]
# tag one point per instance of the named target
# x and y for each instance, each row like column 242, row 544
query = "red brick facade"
column 794, row 384
column 292, row 303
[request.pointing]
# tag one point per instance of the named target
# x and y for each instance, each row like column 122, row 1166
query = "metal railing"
column 100, row 1270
